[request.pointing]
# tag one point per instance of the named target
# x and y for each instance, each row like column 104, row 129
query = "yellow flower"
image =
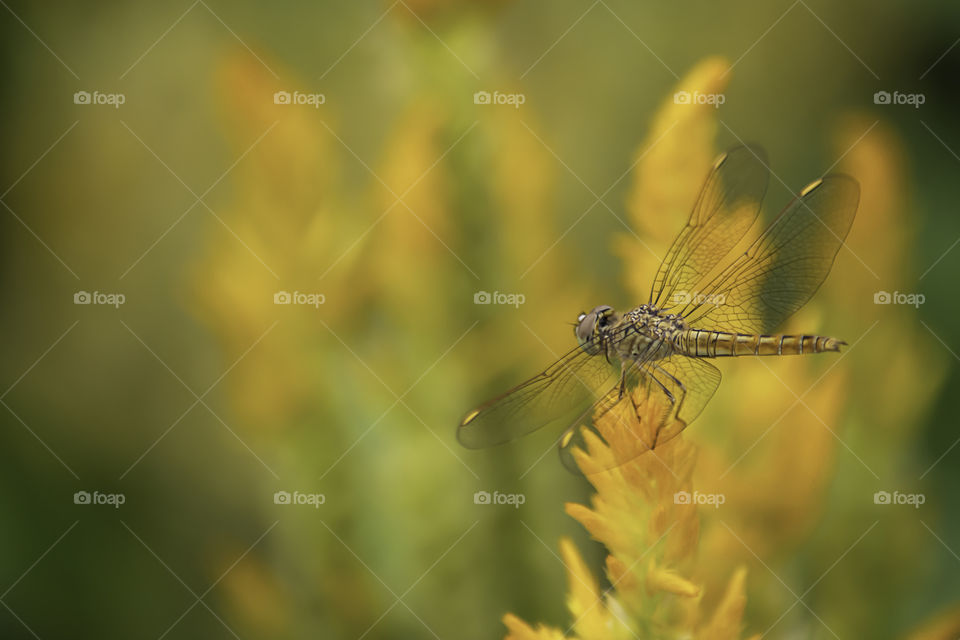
column 640, row 515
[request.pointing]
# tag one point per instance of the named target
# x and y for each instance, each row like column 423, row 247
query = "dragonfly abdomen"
column 714, row 344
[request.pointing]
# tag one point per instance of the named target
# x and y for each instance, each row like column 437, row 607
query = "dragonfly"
column 703, row 305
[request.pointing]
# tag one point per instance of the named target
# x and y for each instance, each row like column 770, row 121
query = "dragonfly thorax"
column 642, row 332
column 648, row 333
column 655, row 322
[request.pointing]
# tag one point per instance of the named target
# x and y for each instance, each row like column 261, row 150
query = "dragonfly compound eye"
column 589, row 325
column 585, row 328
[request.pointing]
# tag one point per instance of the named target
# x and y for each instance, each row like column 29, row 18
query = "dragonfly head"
column 591, row 325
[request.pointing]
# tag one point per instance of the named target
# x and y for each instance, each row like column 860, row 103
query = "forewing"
column 562, row 392
column 785, row 266
column 726, row 208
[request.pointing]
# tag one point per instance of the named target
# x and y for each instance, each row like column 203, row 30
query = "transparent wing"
column 564, row 391
column 575, row 437
column 785, row 266
column 726, row 208
column 666, row 396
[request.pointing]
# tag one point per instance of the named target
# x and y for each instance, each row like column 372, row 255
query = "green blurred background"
column 397, row 199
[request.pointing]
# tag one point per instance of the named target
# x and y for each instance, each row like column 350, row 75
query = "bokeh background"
column 394, row 202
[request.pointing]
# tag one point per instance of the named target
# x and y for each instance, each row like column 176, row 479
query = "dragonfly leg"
column 676, row 404
column 673, row 378
column 663, row 387
column 630, row 366
column 682, row 388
